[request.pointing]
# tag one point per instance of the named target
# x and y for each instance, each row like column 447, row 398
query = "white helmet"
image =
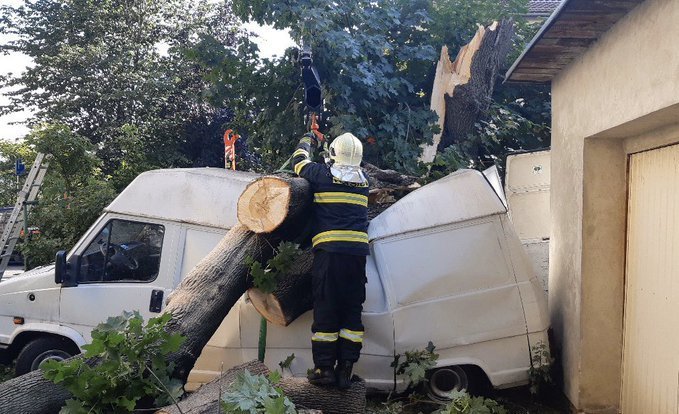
column 346, row 152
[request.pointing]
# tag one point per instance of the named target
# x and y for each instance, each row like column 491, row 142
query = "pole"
column 261, row 346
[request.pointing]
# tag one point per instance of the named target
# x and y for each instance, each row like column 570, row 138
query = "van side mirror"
column 66, row 272
column 60, row 267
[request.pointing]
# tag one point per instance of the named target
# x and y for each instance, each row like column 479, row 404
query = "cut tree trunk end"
column 463, row 89
column 306, row 397
column 292, row 296
column 274, row 202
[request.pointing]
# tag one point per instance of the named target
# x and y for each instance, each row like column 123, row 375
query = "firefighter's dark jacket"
column 340, row 208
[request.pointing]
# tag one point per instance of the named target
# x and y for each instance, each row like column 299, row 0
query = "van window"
column 124, row 251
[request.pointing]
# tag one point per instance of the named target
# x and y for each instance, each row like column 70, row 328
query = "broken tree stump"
column 463, row 88
column 307, row 398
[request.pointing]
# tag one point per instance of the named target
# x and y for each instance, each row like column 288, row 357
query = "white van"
column 445, row 267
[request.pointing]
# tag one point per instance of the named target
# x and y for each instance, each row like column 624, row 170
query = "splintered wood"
column 463, row 88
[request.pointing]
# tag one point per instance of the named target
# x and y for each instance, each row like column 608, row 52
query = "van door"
column 126, row 265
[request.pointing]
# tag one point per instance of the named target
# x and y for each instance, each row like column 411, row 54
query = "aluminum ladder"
column 25, row 201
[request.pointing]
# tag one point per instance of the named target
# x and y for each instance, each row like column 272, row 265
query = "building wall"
column 619, row 97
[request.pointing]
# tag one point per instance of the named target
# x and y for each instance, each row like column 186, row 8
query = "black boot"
column 322, row 376
column 343, row 373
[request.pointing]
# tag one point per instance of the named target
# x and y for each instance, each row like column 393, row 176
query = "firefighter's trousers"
column 339, row 292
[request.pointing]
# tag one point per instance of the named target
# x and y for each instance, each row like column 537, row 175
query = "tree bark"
column 388, row 179
column 307, row 398
column 463, row 89
column 275, row 203
column 198, row 306
column 206, row 295
column 206, row 398
column 292, row 296
column 32, row 393
column 329, row 400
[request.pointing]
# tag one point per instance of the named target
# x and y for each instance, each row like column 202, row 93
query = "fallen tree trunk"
column 32, row 393
column 388, row 179
column 281, row 202
column 198, row 307
column 292, row 296
column 206, row 398
column 329, row 400
column 463, row 88
column 206, row 295
column 307, row 398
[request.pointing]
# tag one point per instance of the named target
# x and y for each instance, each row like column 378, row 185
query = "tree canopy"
column 119, row 87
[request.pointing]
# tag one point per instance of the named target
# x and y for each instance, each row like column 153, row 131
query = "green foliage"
column 154, row 84
column 376, row 61
column 74, row 192
column 105, row 67
column 6, row 373
column 72, row 155
column 255, row 394
column 9, row 152
column 540, row 372
column 264, row 278
column 364, row 52
column 287, row 362
column 132, row 365
column 463, row 403
column 415, row 365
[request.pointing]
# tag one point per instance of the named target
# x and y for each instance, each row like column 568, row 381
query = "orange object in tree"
column 230, row 139
column 314, row 127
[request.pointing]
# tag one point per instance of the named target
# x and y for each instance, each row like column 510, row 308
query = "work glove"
column 314, row 139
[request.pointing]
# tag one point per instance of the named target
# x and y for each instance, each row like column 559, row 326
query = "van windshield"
column 123, row 251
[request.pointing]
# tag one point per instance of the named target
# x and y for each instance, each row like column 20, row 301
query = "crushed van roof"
column 461, row 196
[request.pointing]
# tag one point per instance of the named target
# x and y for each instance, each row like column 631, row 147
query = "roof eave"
column 552, row 18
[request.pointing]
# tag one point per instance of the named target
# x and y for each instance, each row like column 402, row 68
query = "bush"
column 132, row 366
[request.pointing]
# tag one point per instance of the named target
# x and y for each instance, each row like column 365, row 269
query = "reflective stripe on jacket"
column 340, row 208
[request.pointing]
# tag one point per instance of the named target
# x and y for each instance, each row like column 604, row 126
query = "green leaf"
column 274, row 377
column 275, row 405
column 121, row 378
column 171, row 343
column 287, row 362
column 73, row 407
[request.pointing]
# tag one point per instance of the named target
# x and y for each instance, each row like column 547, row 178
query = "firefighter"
column 340, row 244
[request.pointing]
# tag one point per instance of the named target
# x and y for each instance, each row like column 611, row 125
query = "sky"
column 271, row 42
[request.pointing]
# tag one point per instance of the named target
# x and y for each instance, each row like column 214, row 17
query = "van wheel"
column 442, row 381
column 43, row 349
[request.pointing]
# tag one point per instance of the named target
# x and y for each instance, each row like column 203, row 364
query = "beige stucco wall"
column 609, row 102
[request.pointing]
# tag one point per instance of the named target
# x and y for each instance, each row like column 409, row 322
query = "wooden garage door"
column 651, row 331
